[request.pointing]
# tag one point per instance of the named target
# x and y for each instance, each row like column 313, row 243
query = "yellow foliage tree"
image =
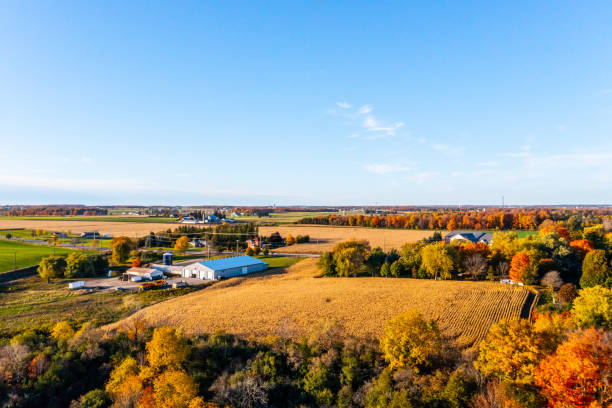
column 505, row 244
column 128, row 393
column 290, row 240
column 62, row 331
column 174, row 389
column 512, row 349
column 410, row 341
column 181, row 244
column 167, row 349
column 119, row 375
column 121, row 247
column 437, row 261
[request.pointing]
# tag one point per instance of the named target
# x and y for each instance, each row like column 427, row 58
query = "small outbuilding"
column 145, row 273
column 224, row 267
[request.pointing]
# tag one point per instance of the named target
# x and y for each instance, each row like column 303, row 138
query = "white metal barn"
column 224, row 267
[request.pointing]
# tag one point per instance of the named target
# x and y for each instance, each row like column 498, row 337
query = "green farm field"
column 30, row 234
column 25, row 254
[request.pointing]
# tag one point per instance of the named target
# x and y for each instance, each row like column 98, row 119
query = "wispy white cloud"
column 365, row 109
column 387, row 168
column 373, row 127
column 371, row 124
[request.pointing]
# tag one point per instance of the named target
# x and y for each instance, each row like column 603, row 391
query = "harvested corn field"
column 289, row 303
column 114, row 228
column 323, row 238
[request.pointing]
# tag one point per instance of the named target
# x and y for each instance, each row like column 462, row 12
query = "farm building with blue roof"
column 224, row 267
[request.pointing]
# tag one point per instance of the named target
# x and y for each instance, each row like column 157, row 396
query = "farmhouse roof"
column 474, row 236
column 231, row 262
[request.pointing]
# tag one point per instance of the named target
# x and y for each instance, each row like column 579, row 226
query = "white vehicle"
column 76, row 285
column 136, row 278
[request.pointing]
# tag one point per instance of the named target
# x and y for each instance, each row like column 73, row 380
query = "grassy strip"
column 33, row 303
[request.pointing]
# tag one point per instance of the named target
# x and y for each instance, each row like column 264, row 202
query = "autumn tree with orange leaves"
column 518, row 267
column 582, row 247
column 577, row 374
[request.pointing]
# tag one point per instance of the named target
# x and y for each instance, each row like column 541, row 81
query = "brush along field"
column 114, row 228
column 323, row 238
column 290, row 301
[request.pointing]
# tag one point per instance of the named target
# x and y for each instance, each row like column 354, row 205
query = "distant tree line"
column 20, row 211
column 522, row 219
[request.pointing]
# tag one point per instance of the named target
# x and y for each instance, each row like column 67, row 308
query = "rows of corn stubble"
column 292, row 301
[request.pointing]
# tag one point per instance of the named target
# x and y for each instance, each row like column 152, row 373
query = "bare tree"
column 14, row 363
column 475, row 265
column 502, row 269
column 552, row 280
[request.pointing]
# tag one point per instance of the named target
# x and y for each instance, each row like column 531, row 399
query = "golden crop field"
column 292, row 301
column 323, row 238
column 130, row 229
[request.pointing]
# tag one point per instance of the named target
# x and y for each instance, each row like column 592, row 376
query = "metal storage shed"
column 224, row 267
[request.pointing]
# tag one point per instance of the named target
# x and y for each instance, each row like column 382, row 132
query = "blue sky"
column 255, row 103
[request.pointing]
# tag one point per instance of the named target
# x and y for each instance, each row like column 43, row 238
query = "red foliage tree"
column 577, row 374
column 136, row 263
